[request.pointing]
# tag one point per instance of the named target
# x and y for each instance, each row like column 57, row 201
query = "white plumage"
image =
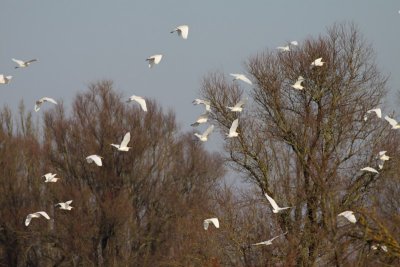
column 283, row 48
column 211, row 220
column 393, row 122
column 238, row 107
column 124, row 144
column 36, row 215
column 64, row 205
column 182, row 31
column 94, row 158
column 140, row 100
column 50, row 177
column 203, row 118
column 275, row 207
column 154, row 59
column 297, row 85
column 40, row 102
column 268, row 242
column 23, row 64
column 5, row 79
column 232, row 130
column 349, row 215
column 318, row 62
column 206, row 103
column 369, row 169
column 242, row 77
column 204, row 137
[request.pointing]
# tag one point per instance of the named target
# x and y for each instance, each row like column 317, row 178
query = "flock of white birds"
column 153, row 60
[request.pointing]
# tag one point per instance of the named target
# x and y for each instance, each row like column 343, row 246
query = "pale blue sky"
column 78, row 42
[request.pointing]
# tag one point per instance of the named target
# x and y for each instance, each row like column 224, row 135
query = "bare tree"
column 143, row 207
column 306, row 147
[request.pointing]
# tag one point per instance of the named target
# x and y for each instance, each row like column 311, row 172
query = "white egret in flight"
column 318, row 62
column 232, row 130
column 23, row 64
column 36, row 215
column 297, row 85
column 206, row 103
column 140, row 100
column 154, row 59
column 204, row 137
column 123, row 146
column 284, row 48
column 369, row 169
column 201, row 119
column 349, row 215
column 94, row 158
column 211, row 220
column 5, row 79
column 64, row 205
column 238, row 107
column 39, row 102
column 50, row 177
column 275, row 207
column 242, row 77
column 268, row 242
column 377, row 111
column 182, row 31
column 393, row 122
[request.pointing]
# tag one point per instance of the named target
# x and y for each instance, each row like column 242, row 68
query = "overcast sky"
column 78, row 42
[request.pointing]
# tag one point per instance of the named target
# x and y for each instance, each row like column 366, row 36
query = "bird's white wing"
column 381, row 153
column 234, row 75
column 272, row 239
column 317, row 61
column 183, row 31
column 97, row 160
column 126, row 139
column 349, row 215
column 28, row 219
column 283, row 48
column 48, row 99
column 262, row 243
column 207, row 222
column 32, row 60
column 154, row 59
column 241, row 77
column 208, row 131
column 369, row 169
column 44, row 214
column 294, row 43
column 245, row 79
column 377, row 111
column 234, row 126
column 197, row 101
column 94, row 158
column 272, row 202
column 68, row 202
column 49, row 175
column 215, row 221
column 19, row 62
column 141, row 102
column 391, row 121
